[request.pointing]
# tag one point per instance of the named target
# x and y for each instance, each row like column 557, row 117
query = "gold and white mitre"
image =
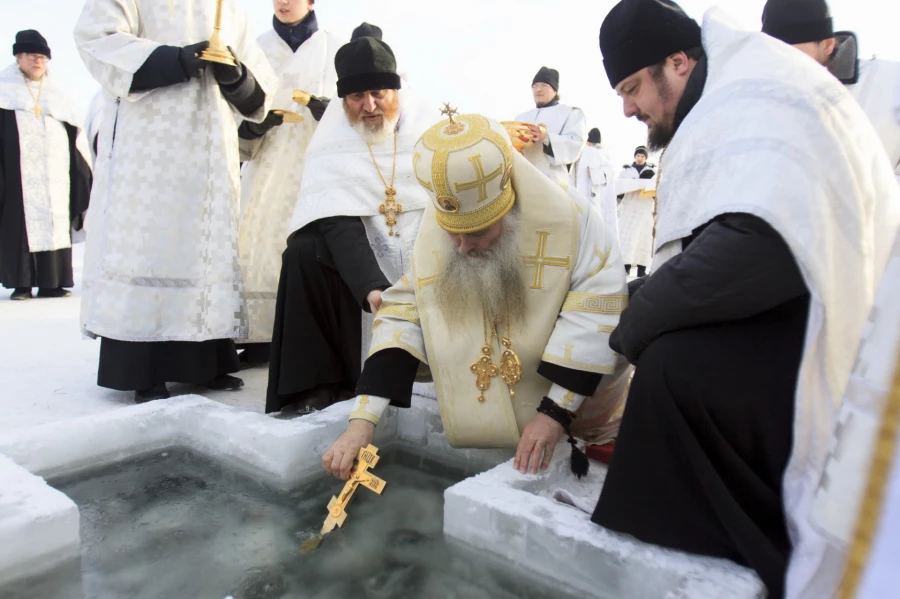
column 469, row 169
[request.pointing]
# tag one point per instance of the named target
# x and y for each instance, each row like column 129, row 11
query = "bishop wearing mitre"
column 512, row 291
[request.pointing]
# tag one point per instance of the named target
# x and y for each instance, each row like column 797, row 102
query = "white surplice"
column 43, row 155
column 161, row 262
column 340, row 179
column 828, row 191
column 567, row 133
column 594, row 177
column 636, row 215
column 273, row 171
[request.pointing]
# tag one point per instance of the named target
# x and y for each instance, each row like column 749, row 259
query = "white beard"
column 376, row 136
column 493, row 279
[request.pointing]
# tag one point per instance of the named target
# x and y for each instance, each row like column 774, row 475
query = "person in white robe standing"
column 635, row 185
column 593, row 176
column 352, row 232
column 807, row 25
column 559, row 131
column 777, row 208
column 45, row 174
column 163, row 285
column 274, row 152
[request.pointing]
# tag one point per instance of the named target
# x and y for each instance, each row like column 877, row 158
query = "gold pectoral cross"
column 483, row 369
column 390, row 209
column 337, row 507
column 38, row 111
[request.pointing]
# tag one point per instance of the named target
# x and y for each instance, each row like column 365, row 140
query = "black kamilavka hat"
column 365, row 64
column 548, row 76
column 366, row 30
column 797, row 21
column 30, row 41
column 640, row 33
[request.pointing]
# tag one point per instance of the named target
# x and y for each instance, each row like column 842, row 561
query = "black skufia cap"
column 640, row 33
column 365, row 64
column 30, row 41
column 594, row 136
column 797, row 21
column 548, row 76
column 366, row 30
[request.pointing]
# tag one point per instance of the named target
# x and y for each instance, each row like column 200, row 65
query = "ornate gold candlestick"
column 218, row 51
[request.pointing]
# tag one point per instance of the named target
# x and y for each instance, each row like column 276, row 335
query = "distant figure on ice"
column 593, row 176
column 777, row 208
column 559, row 131
column 636, row 212
column 354, row 225
column 163, row 285
column 807, row 25
column 303, row 58
column 509, row 299
column 45, row 174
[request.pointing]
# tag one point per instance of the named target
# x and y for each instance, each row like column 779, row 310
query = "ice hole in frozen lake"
column 497, row 513
column 175, row 524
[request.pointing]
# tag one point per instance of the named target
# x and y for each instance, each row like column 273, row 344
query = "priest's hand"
column 317, row 106
column 251, row 130
column 338, row 460
column 226, row 74
column 374, row 299
column 536, row 446
column 191, row 63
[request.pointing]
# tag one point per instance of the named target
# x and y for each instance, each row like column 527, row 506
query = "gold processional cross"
column 481, row 180
column 337, row 508
column 541, row 260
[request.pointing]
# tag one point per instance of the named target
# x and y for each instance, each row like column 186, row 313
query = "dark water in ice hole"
column 175, row 525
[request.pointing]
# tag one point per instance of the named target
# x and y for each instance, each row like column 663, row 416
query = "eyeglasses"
column 36, row 57
column 540, row 86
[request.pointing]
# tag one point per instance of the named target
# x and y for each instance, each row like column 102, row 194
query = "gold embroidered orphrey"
column 453, row 128
column 481, row 179
column 540, row 260
column 337, row 507
column 510, row 369
column 37, row 101
column 390, row 208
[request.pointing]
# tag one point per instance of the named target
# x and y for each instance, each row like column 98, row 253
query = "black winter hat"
column 594, row 136
column 366, row 30
column 30, row 41
column 548, row 76
column 797, row 21
column 639, row 33
column 365, row 64
column 641, row 150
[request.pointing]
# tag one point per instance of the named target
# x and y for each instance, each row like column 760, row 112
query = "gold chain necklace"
column 390, row 208
column 37, row 101
column 484, row 369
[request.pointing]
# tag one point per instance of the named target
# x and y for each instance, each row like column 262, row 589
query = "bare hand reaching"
column 536, row 446
column 338, row 460
column 374, row 299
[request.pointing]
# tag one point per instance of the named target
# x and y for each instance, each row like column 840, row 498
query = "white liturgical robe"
column 838, row 214
column 636, row 215
column 567, row 133
column 273, row 172
column 594, row 177
column 161, row 262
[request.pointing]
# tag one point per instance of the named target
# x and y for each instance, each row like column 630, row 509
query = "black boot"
column 59, row 292
column 153, row 393
column 224, row 382
column 21, row 293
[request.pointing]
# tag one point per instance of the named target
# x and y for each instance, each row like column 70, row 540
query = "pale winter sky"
column 479, row 54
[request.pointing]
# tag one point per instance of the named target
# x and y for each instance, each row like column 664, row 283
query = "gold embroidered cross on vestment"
column 390, row 208
column 540, row 260
column 481, row 179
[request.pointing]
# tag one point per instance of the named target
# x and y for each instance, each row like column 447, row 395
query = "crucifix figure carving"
column 481, row 179
column 390, row 209
column 540, row 260
column 484, row 369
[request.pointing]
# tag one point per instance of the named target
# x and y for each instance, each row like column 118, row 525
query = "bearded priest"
column 274, row 151
column 45, row 174
column 559, row 131
column 353, row 228
column 513, row 289
column 744, row 334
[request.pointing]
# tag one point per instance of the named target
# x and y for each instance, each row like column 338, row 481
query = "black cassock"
column 19, row 267
column 717, row 336
column 327, row 272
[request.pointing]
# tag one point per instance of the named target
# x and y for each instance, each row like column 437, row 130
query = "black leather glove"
column 189, row 57
column 251, row 130
column 226, row 74
column 317, row 106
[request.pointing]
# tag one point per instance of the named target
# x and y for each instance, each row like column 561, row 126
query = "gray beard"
column 493, row 281
column 376, row 136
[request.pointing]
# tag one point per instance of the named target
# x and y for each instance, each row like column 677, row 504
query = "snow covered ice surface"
column 51, row 369
column 196, row 529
